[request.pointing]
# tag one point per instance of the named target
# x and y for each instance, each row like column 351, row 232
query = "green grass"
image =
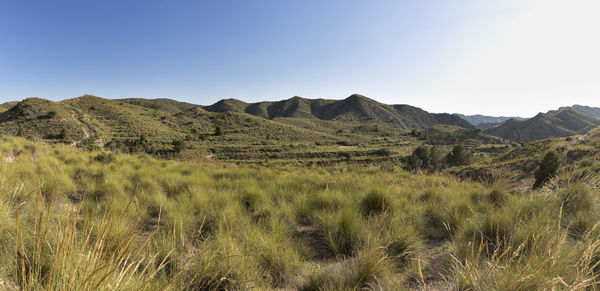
column 75, row 219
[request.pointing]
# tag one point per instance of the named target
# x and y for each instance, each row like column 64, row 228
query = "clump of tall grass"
column 369, row 270
column 343, row 231
column 374, row 203
column 57, row 254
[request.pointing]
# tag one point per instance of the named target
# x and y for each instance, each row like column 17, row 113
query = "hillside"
column 484, row 121
column 286, row 132
column 563, row 123
column 355, row 108
column 163, row 104
column 585, row 110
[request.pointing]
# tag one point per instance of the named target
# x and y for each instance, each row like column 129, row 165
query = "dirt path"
column 84, row 128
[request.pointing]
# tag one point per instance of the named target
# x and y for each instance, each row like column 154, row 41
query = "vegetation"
column 233, row 131
column 458, row 156
column 302, row 194
column 561, row 123
column 547, row 169
column 75, row 219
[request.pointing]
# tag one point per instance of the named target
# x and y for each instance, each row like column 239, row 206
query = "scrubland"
column 96, row 220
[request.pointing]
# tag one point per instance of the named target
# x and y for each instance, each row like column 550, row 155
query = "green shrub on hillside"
column 458, row 156
column 547, row 168
column 426, row 158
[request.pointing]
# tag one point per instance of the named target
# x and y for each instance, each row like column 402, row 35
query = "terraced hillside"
column 172, row 129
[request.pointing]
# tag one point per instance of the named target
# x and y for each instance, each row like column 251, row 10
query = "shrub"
column 458, row 156
column 425, row 158
column 64, row 134
column 547, row 168
column 218, row 131
column 51, row 114
column 105, row 158
column 383, row 152
column 179, row 145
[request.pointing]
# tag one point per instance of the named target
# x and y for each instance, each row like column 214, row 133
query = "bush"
column 459, row 156
column 218, row 131
column 64, row 134
column 51, row 114
column 425, row 158
column 547, row 168
column 105, row 158
column 179, row 145
column 383, row 152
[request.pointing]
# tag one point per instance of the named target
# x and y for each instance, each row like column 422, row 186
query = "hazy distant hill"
column 355, row 108
column 553, row 124
column 484, row 121
column 586, row 110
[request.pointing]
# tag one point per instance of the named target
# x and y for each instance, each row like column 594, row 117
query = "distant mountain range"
column 585, row 110
column 105, row 119
column 483, row 119
column 561, row 123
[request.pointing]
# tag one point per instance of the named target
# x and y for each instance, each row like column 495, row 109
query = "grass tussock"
column 81, row 220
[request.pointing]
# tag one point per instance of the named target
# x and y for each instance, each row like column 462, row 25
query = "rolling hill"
column 585, row 110
column 553, row 124
column 288, row 131
column 355, row 108
column 483, row 121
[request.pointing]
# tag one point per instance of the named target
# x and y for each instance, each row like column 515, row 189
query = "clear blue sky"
column 490, row 57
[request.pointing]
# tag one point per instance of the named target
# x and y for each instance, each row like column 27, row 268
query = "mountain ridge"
column 355, row 108
column 107, row 119
column 562, row 123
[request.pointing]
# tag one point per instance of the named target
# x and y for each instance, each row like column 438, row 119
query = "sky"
column 509, row 57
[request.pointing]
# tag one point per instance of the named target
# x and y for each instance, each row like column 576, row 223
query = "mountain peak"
column 358, row 97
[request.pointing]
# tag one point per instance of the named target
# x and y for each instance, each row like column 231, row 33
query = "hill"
column 562, row 123
column 355, row 108
column 485, row 121
column 585, row 110
column 163, row 104
column 297, row 130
